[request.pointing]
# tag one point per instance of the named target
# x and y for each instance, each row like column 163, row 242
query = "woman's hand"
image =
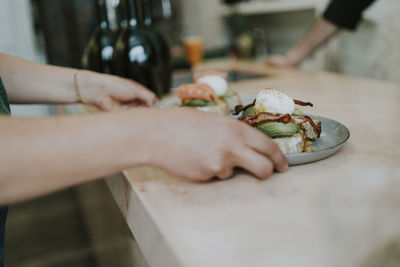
column 199, row 145
column 30, row 82
column 109, row 92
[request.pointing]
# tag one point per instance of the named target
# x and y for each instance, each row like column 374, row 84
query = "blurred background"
column 74, row 227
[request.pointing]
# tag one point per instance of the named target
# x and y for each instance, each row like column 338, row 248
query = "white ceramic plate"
column 334, row 135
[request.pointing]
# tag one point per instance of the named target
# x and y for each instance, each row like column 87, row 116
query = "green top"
column 4, row 108
column 4, row 104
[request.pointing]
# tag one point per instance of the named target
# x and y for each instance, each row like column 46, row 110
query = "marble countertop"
column 341, row 211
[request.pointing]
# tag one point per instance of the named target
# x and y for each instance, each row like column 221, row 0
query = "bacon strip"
column 264, row 117
column 240, row 108
column 301, row 103
column 317, row 128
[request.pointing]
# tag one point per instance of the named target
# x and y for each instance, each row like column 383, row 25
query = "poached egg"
column 219, row 84
column 273, row 101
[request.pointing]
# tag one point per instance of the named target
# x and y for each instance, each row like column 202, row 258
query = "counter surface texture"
column 340, row 211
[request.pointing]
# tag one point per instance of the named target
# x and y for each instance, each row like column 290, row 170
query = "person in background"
column 42, row 155
column 338, row 15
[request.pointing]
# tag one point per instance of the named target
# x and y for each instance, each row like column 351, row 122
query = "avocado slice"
column 249, row 111
column 199, row 103
column 279, row 129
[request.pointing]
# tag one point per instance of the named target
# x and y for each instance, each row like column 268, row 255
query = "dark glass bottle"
column 122, row 17
column 135, row 55
column 161, row 45
column 99, row 52
column 230, row 2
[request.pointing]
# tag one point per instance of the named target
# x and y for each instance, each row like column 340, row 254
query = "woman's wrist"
column 138, row 129
column 83, row 79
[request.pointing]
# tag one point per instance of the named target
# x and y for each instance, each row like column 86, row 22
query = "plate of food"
column 209, row 92
column 303, row 138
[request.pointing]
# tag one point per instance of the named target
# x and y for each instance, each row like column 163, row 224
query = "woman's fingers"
column 226, row 173
column 125, row 91
column 145, row 95
column 142, row 93
column 255, row 163
column 106, row 104
column 264, row 145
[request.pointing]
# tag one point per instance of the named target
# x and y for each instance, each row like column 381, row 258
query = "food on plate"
column 217, row 81
column 274, row 113
column 202, row 97
column 209, row 92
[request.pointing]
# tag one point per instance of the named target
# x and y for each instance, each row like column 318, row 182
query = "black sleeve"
column 346, row 13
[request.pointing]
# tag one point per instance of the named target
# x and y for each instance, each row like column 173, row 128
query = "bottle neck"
column 147, row 14
column 134, row 14
column 122, row 17
column 102, row 14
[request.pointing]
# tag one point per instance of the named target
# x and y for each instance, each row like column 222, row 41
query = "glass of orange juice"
column 194, row 49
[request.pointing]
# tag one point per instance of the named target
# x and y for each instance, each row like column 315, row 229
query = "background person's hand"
column 109, row 92
column 199, row 145
column 281, row 61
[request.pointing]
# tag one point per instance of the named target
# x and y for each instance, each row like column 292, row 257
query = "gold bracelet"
column 77, row 92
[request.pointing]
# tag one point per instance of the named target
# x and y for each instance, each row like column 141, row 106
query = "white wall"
column 16, row 29
column 17, row 39
column 204, row 18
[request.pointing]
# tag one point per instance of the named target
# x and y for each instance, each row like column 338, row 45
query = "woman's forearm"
column 38, row 156
column 42, row 155
column 29, row 82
